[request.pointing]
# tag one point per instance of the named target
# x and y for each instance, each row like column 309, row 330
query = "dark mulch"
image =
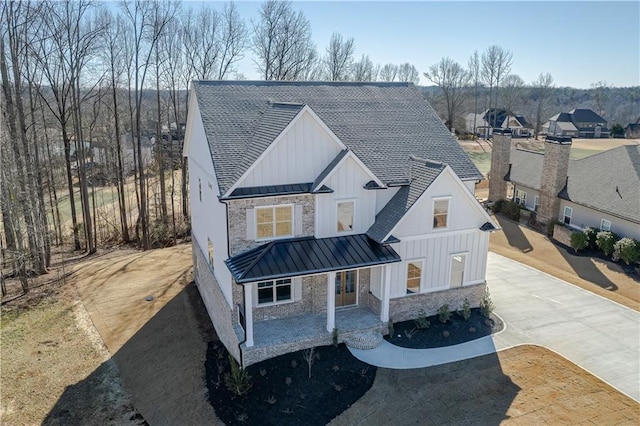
column 282, row 392
column 453, row 332
column 632, row 270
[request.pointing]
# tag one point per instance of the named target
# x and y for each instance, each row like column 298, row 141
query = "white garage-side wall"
column 299, row 154
column 583, row 217
column 530, row 199
column 383, row 196
column 208, row 215
column 347, row 182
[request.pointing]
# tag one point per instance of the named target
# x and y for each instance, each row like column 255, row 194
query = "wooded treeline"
column 94, row 104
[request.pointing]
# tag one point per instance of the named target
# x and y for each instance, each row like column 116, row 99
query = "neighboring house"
column 578, row 123
column 504, row 119
column 323, row 206
column 632, row 131
column 601, row 191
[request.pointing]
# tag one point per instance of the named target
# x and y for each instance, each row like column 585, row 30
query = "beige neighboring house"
column 601, row 191
column 324, row 209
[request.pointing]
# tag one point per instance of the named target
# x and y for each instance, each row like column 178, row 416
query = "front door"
column 346, row 288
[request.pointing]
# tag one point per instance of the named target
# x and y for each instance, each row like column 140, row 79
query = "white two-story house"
column 324, row 210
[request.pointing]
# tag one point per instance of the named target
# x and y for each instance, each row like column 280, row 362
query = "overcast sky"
column 579, row 43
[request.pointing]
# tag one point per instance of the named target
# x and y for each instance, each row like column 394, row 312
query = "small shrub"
column 486, row 304
column 591, row 234
column 238, row 381
column 627, row 250
column 465, row 313
column 422, row 322
column 271, row 400
column 390, row 326
column 409, row 334
column 310, row 355
column 444, row 314
column 294, row 363
column 287, row 381
column 334, row 337
column 511, row 210
column 605, row 241
column 579, row 241
column 497, row 206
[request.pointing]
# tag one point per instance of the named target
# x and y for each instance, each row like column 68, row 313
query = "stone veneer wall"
column 222, row 316
column 237, row 218
column 314, row 300
column 562, row 234
column 406, row 308
column 554, row 176
column 500, row 158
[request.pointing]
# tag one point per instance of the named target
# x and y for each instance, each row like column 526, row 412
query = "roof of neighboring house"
column 561, row 117
column 423, row 173
column 304, row 256
column 566, row 126
column 523, row 122
column 583, row 115
column 382, row 123
column 608, row 181
column 633, row 126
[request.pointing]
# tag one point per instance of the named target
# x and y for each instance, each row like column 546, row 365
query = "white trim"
column 474, row 202
column 422, row 261
column 464, row 254
column 386, row 293
column 565, row 215
column 248, row 316
column 274, row 237
column 352, row 155
column 273, row 286
column 271, row 146
column 353, row 218
column 441, row 234
column 331, row 301
column 189, row 125
column 433, row 212
column 602, row 222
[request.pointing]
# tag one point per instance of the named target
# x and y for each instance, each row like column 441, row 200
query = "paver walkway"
column 597, row 334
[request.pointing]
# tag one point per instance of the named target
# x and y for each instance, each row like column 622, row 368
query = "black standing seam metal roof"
column 273, row 190
column 309, row 255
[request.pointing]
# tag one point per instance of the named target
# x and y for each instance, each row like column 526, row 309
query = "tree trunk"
column 124, row 226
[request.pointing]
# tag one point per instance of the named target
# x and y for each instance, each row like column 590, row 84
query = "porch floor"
column 305, row 327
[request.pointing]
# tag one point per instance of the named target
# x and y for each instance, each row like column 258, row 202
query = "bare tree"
column 363, row 70
column 512, row 88
column 339, row 57
column 600, row 94
column 452, row 79
column 496, row 64
column 234, row 40
column 541, row 91
column 474, row 76
column 408, row 72
column 388, row 72
column 282, row 42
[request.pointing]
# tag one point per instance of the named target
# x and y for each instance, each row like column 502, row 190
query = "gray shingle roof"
column 608, row 181
column 329, row 168
column 423, row 173
column 383, row 123
column 584, row 115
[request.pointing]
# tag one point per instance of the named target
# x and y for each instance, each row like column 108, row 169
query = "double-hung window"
column 521, row 197
column 414, row 276
column 536, row 203
column 345, row 214
column 274, row 222
column 440, row 213
column 274, row 291
column 568, row 212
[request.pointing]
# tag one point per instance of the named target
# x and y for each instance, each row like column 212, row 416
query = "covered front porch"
column 283, row 335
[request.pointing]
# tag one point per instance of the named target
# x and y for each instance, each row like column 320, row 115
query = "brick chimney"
column 500, row 157
column 554, row 176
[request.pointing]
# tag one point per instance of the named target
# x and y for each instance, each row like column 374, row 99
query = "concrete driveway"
column 599, row 335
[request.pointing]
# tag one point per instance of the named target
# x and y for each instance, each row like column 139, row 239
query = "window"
column 345, row 216
column 210, row 246
column 274, row 222
column 536, row 203
column 274, row 291
column 521, row 197
column 568, row 211
column 457, row 270
column 440, row 212
column 200, row 189
column 414, row 276
column 605, row 225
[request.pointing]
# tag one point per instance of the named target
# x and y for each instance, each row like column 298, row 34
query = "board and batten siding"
column 301, row 154
column 383, row 196
column 209, row 216
column 347, row 182
column 436, row 253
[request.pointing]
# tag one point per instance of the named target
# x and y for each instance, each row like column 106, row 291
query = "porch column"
column 331, row 301
column 386, row 291
column 248, row 315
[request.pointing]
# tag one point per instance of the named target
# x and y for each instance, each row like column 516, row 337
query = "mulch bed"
column 632, row 270
column 407, row 335
column 282, row 392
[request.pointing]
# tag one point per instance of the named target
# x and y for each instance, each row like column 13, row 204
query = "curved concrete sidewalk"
column 595, row 333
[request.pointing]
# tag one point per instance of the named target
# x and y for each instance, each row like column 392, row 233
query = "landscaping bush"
column 511, row 210
column 238, row 381
column 591, row 234
column 422, row 322
column 444, row 313
column 627, row 250
column 465, row 313
column 605, row 241
column 486, row 304
column 579, row 241
column 497, row 206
